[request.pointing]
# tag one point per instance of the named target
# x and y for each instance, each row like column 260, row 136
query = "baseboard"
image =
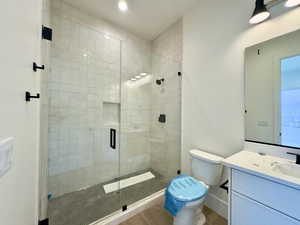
column 218, row 205
column 44, row 222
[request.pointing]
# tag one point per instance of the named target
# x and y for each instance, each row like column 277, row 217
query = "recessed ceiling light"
column 138, row 77
column 133, row 79
column 143, row 74
column 123, row 6
column 292, row 3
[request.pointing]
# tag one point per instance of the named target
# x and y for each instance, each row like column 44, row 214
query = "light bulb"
column 259, row 17
column 292, row 3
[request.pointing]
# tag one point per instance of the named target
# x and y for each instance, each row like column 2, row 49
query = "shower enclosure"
column 112, row 130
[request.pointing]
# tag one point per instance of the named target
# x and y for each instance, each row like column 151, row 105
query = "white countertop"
column 261, row 165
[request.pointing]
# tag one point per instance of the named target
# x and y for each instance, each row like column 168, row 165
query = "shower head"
column 160, row 81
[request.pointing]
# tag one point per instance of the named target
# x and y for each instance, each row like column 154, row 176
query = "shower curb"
column 133, row 209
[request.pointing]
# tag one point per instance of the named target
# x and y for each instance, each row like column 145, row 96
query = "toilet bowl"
column 206, row 170
column 191, row 214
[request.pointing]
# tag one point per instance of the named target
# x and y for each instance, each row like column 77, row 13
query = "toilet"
column 206, row 171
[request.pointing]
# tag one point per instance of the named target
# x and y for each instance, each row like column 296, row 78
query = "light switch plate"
column 6, row 148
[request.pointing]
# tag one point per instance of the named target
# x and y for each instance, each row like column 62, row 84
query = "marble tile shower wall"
column 135, row 128
column 166, row 99
column 86, row 73
column 135, row 107
column 89, row 91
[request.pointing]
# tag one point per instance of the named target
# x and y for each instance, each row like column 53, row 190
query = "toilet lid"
column 187, row 188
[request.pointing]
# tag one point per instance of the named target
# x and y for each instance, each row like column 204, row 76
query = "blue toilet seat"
column 181, row 191
column 186, row 188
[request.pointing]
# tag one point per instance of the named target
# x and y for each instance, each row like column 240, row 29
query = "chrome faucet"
column 297, row 157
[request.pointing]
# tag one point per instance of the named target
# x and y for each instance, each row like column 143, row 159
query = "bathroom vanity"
column 263, row 190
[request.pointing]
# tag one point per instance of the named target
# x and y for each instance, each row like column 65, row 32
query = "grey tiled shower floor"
column 86, row 206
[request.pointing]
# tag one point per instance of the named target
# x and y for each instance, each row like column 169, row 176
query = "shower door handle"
column 113, row 138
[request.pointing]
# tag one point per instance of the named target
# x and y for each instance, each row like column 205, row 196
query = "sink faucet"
column 297, row 157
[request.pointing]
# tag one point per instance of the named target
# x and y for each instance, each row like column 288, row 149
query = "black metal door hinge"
column 179, row 74
column 28, row 96
column 46, row 33
column 162, row 118
column 44, row 222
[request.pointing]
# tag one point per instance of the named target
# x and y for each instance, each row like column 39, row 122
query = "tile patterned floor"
column 86, row 206
column 158, row 216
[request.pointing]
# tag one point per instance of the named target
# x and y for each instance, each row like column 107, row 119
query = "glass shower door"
column 84, row 122
column 150, row 129
column 135, row 169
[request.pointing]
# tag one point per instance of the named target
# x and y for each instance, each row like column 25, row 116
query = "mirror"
column 272, row 91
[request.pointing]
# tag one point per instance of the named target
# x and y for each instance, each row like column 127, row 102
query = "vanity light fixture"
column 143, row 74
column 133, row 79
column 292, row 3
column 123, row 6
column 137, row 77
column 260, row 13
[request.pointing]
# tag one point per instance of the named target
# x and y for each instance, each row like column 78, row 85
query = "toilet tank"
column 206, row 167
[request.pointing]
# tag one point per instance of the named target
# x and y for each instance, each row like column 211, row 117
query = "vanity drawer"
column 277, row 196
column 245, row 211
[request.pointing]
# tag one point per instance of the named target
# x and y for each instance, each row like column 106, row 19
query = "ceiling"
column 145, row 18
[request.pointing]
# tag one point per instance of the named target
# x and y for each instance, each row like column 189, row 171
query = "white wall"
column 215, row 36
column 20, row 23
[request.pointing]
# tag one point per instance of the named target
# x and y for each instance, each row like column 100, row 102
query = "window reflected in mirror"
column 290, row 101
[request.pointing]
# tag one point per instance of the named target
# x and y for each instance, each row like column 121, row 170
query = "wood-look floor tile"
column 136, row 220
column 157, row 215
column 213, row 218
